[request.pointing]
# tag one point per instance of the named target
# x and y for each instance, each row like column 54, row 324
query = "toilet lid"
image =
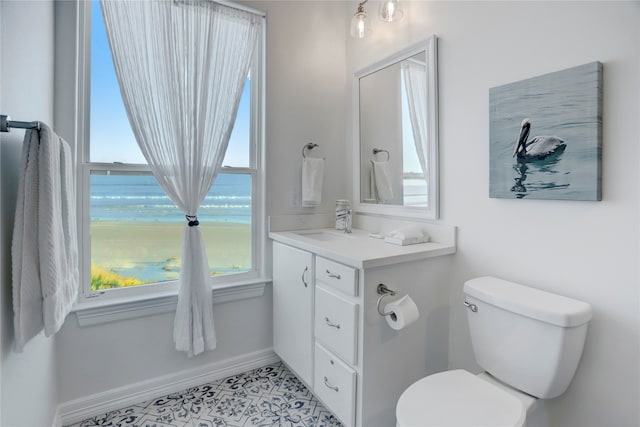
column 458, row 398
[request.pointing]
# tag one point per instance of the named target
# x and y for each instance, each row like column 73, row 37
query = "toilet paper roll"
column 403, row 313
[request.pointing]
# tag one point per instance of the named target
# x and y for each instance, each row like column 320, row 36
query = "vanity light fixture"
column 360, row 23
column 390, row 10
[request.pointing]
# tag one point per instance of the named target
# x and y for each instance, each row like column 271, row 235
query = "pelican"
column 537, row 148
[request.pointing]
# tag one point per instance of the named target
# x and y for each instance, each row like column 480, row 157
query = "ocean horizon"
column 139, row 198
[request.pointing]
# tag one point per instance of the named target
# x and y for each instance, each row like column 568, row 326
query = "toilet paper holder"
column 383, row 291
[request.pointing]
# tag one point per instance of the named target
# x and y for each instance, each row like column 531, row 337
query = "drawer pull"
column 333, row 275
column 330, row 323
column 306, row 268
column 328, row 385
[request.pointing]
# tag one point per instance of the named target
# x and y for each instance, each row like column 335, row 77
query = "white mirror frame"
column 429, row 46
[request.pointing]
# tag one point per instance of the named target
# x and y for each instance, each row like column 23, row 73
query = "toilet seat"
column 458, row 398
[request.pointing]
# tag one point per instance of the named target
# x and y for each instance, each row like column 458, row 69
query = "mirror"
column 396, row 144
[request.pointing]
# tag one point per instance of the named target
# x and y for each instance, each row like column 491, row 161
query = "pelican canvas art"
column 546, row 136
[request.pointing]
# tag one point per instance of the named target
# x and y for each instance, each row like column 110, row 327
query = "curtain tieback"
column 193, row 220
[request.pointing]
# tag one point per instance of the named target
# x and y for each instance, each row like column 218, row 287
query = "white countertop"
column 359, row 250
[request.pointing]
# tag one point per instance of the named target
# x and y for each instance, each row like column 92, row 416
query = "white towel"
column 44, row 250
column 382, row 178
column 407, row 235
column 372, row 185
column 312, row 175
column 27, row 295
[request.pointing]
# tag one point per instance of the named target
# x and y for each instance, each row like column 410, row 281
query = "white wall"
column 585, row 250
column 28, row 391
column 105, row 357
column 306, row 100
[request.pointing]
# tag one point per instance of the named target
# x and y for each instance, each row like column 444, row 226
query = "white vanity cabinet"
column 330, row 332
column 293, row 284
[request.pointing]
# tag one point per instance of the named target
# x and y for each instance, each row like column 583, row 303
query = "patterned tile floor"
column 268, row 396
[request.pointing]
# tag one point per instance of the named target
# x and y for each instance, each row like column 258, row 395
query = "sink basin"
column 324, row 235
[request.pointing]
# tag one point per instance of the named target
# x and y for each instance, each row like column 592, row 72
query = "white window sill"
column 100, row 312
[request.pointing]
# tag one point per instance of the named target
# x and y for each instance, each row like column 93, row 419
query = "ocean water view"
column 140, row 198
column 136, row 230
column 416, row 192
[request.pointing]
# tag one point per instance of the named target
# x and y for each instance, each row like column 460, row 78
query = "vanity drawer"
column 337, row 275
column 335, row 385
column 336, row 323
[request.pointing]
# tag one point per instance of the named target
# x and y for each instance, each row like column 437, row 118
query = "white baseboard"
column 121, row 397
column 57, row 418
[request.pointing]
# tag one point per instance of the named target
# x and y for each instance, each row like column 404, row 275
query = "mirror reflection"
column 397, row 136
column 393, row 138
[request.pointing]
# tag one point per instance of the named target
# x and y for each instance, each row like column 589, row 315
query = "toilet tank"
column 529, row 339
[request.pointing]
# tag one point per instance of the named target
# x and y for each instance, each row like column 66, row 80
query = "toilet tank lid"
column 529, row 302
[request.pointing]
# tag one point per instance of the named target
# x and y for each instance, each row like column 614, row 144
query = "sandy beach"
column 151, row 251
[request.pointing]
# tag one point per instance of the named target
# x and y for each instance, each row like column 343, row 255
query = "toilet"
column 528, row 342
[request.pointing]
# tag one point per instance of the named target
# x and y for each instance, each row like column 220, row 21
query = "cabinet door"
column 293, row 309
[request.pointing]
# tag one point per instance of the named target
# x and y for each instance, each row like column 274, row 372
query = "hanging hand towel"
column 25, row 261
column 58, row 240
column 44, row 249
column 382, row 177
column 373, row 194
column 312, row 175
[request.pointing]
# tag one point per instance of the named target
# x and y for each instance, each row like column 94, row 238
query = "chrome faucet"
column 345, row 214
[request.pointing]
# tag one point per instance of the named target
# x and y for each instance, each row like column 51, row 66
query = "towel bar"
column 380, row 150
column 309, row 146
column 6, row 123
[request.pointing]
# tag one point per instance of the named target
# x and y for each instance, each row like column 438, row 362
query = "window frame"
column 162, row 290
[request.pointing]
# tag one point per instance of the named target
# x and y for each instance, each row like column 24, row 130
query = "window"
column 132, row 232
column 414, row 182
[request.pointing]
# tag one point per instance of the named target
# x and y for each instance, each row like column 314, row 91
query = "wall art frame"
column 546, row 136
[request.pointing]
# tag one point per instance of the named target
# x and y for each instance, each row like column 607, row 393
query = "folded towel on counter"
column 382, row 179
column 407, row 235
column 312, row 175
column 44, row 247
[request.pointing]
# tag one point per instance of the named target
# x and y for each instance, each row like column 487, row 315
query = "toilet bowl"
column 460, row 398
column 529, row 343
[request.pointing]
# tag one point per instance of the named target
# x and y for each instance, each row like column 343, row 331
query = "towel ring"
column 309, row 146
column 380, row 150
column 383, row 291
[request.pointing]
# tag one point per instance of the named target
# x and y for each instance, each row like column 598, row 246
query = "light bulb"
column 360, row 24
column 390, row 10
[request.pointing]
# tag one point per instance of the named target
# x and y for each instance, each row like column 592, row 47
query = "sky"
column 112, row 139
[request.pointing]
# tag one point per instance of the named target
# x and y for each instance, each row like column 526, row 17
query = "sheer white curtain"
column 415, row 83
column 181, row 66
